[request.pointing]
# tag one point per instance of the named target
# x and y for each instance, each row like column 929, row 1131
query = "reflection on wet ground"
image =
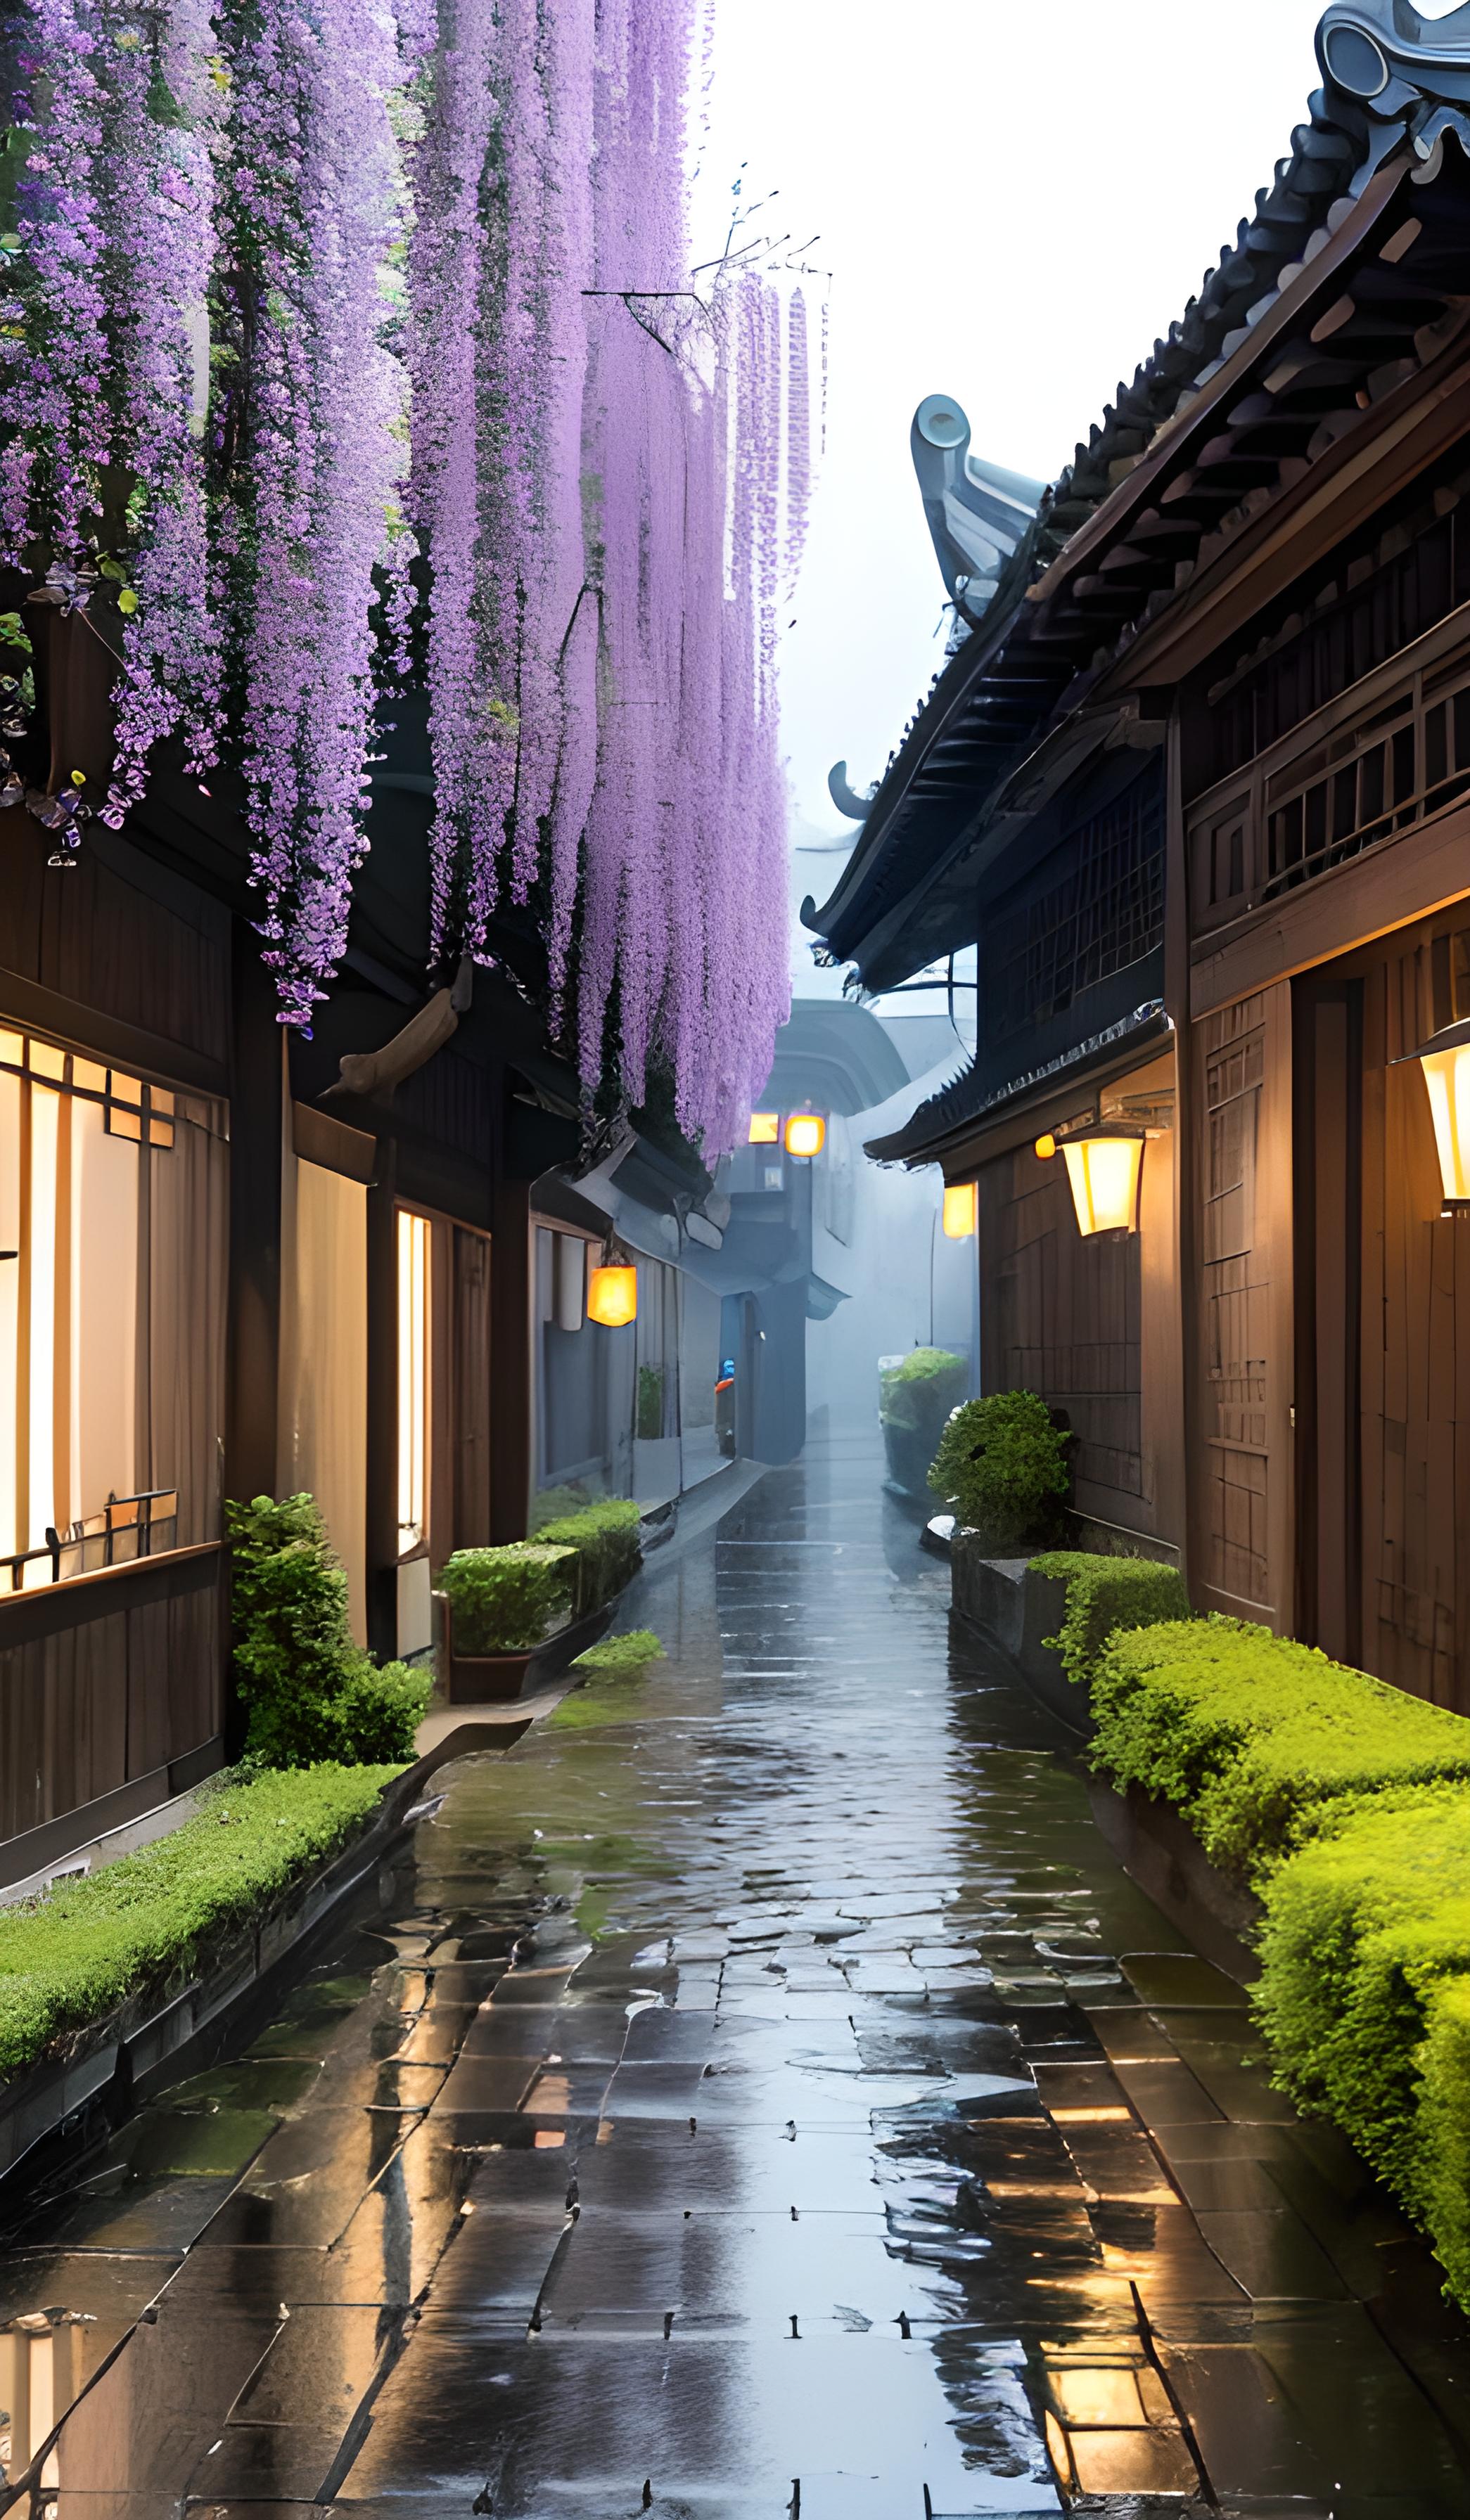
column 762, row 2094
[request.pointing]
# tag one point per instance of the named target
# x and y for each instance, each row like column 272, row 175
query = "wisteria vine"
column 343, row 344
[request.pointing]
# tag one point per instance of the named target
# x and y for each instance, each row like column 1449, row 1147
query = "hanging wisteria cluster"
column 342, row 343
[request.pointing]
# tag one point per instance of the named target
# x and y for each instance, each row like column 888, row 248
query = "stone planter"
column 1158, row 1850
column 1017, row 1609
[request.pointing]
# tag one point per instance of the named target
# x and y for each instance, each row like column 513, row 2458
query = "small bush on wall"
column 509, row 1601
column 1002, row 1466
column 1104, row 1594
column 310, row 1691
column 608, row 1544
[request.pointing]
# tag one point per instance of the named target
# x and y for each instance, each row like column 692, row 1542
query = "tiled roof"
column 1176, row 467
column 963, row 1103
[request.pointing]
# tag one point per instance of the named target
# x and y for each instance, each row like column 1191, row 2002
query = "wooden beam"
column 149, row 1055
column 381, row 1467
column 512, row 1361
column 253, row 1357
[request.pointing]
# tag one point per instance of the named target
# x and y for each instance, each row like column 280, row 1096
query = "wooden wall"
column 106, row 1683
column 115, row 933
column 1091, row 1324
column 1241, row 1450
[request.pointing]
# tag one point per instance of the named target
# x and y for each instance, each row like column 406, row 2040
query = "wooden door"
column 1327, row 1055
column 1241, row 1502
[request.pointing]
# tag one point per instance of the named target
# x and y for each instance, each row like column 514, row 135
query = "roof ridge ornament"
column 1402, row 69
column 978, row 513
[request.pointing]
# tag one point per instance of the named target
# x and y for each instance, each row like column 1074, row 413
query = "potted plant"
column 498, row 1606
column 1002, row 1466
column 916, row 1394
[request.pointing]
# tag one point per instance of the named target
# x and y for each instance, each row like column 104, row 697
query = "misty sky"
column 1014, row 201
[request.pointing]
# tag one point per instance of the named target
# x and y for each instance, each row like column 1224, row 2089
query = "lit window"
column 78, row 1238
column 766, row 1128
column 413, row 1380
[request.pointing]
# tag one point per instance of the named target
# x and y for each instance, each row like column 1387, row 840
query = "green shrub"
column 923, row 1388
column 144, row 1924
column 1250, row 1735
column 1104, row 1594
column 609, row 1543
column 1002, row 1466
column 1364, row 1995
column 650, row 1420
column 627, row 1653
column 508, row 1600
column 551, row 1504
column 311, row 1694
column 1442, row 2177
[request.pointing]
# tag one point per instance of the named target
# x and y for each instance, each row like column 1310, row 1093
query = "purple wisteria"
column 311, row 210
column 343, row 343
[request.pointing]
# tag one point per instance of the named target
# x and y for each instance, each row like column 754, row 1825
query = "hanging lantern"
column 765, row 1129
column 806, row 1135
column 1046, row 1148
column 1105, row 1169
column 1445, row 1061
column 613, row 1297
column 961, row 1210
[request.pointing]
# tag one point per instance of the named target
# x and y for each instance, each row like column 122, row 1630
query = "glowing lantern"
column 1046, row 1148
column 806, row 1135
column 961, row 1204
column 765, row 1129
column 613, row 1297
column 1445, row 1061
column 1105, row 1170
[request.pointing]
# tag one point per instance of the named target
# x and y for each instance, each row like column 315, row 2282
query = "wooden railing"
column 127, row 1527
column 112, row 1697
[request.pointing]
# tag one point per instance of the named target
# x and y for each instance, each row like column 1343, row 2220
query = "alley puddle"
column 763, row 2094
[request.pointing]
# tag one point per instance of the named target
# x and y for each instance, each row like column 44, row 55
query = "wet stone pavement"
column 760, row 2094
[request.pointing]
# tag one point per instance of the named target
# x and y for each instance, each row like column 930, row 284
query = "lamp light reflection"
column 765, row 1129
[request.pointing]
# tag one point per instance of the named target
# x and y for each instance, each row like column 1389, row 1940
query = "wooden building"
column 237, row 1261
column 1257, row 574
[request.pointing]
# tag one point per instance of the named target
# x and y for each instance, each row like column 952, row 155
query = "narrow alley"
column 761, row 2093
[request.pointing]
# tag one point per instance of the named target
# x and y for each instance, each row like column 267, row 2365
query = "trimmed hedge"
column 508, row 1600
column 1364, row 1995
column 1104, row 1594
column 142, row 1923
column 923, row 1387
column 608, row 1541
column 1250, row 1735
